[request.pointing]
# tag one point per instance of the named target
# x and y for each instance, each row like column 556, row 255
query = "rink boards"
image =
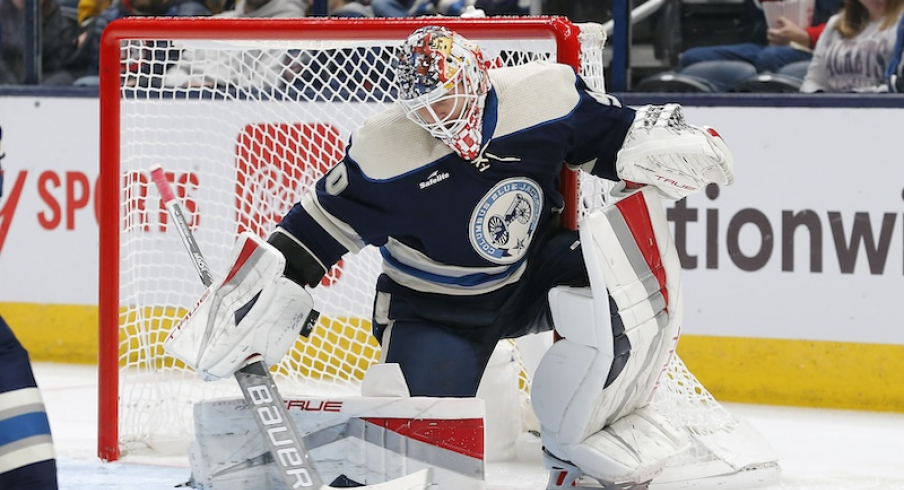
column 791, row 275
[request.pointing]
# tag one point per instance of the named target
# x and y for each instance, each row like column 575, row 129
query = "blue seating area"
column 726, row 76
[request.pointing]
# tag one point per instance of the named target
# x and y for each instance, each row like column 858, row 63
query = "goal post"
column 242, row 113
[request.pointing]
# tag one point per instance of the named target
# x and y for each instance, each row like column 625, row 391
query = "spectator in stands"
column 127, row 8
column 579, row 10
column 391, row 8
column 349, row 8
column 408, row 8
column 770, row 49
column 93, row 27
column 58, row 43
column 266, row 9
column 503, row 7
column 895, row 70
column 854, row 51
column 411, row 8
column 252, row 68
column 90, row 8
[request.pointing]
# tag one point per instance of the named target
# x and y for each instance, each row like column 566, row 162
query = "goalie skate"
column 564, row 475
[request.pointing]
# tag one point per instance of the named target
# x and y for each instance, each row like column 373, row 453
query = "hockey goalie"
column 465, row 212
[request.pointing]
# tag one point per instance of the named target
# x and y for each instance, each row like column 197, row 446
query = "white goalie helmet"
column 443, row 83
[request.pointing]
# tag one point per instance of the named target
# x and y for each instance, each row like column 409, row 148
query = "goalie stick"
column 260, row 391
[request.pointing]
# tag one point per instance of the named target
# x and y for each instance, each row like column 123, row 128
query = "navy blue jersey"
column 26, row 448
column 451, row 226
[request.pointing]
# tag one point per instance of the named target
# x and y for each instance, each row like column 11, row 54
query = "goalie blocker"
column 254, row 310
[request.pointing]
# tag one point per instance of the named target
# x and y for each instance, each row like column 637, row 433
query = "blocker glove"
column 254, row 309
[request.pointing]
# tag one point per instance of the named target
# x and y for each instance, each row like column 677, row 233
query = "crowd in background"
column 850, row 45
column 71, row 29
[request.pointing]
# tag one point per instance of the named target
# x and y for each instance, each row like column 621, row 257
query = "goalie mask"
column 443, row 84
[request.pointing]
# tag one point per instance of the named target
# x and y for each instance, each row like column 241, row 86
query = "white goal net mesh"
column 241, row 128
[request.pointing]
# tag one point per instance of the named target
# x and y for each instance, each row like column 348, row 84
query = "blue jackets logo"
column 505, row 220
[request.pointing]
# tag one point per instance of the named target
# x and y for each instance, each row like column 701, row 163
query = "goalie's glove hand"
column 663, row 151
column 253, row 310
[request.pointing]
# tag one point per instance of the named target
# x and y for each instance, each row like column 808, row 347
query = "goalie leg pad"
column 253, row 310
column 629, row 249
column 633, row 449
column 621, row 465
column 579, row 388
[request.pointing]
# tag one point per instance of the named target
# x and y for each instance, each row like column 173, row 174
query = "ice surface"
column 819, row 449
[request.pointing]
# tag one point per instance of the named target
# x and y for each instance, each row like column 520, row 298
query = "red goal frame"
column 564, row 32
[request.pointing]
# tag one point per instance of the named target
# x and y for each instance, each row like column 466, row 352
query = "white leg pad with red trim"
column 590, row 388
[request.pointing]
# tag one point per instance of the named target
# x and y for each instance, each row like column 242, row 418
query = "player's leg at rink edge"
column 27, row 459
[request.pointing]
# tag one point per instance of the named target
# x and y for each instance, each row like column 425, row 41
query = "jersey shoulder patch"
column 388, row 145
column 532, row 94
